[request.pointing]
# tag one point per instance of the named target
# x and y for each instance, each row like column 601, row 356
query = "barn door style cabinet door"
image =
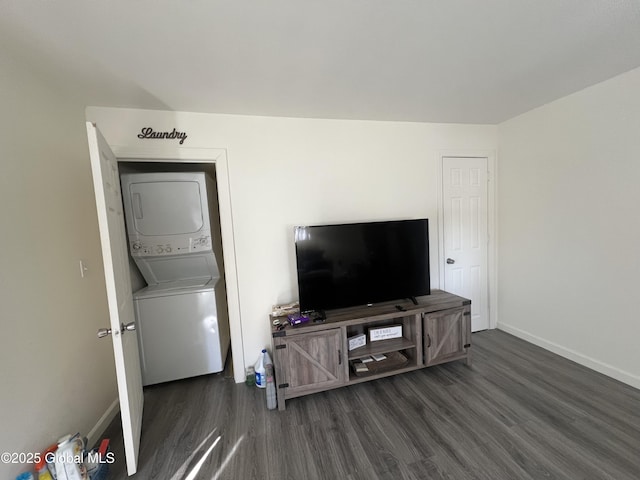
column 308, row 363
column 314, row 357
column 447, row 335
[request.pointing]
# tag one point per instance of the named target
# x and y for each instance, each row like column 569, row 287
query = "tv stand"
column 413, row 299
column 314, row 357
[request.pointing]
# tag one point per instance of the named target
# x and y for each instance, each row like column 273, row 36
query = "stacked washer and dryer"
column 174, row 239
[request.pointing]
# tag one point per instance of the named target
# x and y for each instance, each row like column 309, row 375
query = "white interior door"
column 465, row 232
column 106, row 183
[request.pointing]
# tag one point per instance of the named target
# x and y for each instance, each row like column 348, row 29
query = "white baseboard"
column 103, row 422
column 592, row 363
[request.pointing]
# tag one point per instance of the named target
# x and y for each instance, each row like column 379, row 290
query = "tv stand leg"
column 413, row 299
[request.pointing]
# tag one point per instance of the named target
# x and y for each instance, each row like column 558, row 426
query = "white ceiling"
column 467, row 61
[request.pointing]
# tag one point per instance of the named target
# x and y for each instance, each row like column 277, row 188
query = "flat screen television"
column 361, row 263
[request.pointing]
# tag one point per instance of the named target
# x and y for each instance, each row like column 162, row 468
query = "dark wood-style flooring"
column 520, row 412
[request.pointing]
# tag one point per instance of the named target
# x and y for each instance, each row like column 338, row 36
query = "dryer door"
column 163, row 208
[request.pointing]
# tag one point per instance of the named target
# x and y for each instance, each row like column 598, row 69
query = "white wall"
column 569, row 227
column 285, row 172
column 55, row 376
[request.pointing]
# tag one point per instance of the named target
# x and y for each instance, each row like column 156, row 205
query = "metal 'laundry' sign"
column 148, row 132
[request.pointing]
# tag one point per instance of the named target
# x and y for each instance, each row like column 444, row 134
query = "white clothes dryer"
column 169, row 225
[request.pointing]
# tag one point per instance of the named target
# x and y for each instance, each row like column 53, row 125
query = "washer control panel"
column 169, row 246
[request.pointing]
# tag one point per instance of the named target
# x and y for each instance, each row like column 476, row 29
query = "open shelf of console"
column 381, row 347
column 315, row 357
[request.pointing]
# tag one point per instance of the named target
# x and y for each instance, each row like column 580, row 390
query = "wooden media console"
column 314, row 357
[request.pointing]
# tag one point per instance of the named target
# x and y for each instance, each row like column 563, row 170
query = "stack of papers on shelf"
column 360, row 367
column 373, row 358
column 286, row 309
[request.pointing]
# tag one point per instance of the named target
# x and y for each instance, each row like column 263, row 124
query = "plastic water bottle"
column 267, row 358
column 271, row 388
column 261, row 376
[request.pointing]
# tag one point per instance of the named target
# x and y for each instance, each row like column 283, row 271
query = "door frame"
column 492, row 227
column 217, row 156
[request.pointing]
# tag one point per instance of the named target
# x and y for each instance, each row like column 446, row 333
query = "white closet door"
column 106, row 183
column 465, row 201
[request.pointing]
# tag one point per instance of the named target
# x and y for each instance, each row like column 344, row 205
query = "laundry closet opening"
column 177, row 271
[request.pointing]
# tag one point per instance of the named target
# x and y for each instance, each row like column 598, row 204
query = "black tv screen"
column 361, row 263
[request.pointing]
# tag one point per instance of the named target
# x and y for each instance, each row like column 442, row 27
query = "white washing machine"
column 174, row 238
column 180, row 333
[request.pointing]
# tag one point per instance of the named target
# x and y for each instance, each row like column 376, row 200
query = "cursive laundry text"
column 147, row 132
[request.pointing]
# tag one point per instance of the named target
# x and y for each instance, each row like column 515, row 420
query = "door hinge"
column 467, row 314
column 467, row 345
column 278, row 347
column 283, row 385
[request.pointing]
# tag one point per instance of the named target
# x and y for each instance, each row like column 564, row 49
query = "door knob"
column 129, row 327
column 103, row 332
column 450, row 261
